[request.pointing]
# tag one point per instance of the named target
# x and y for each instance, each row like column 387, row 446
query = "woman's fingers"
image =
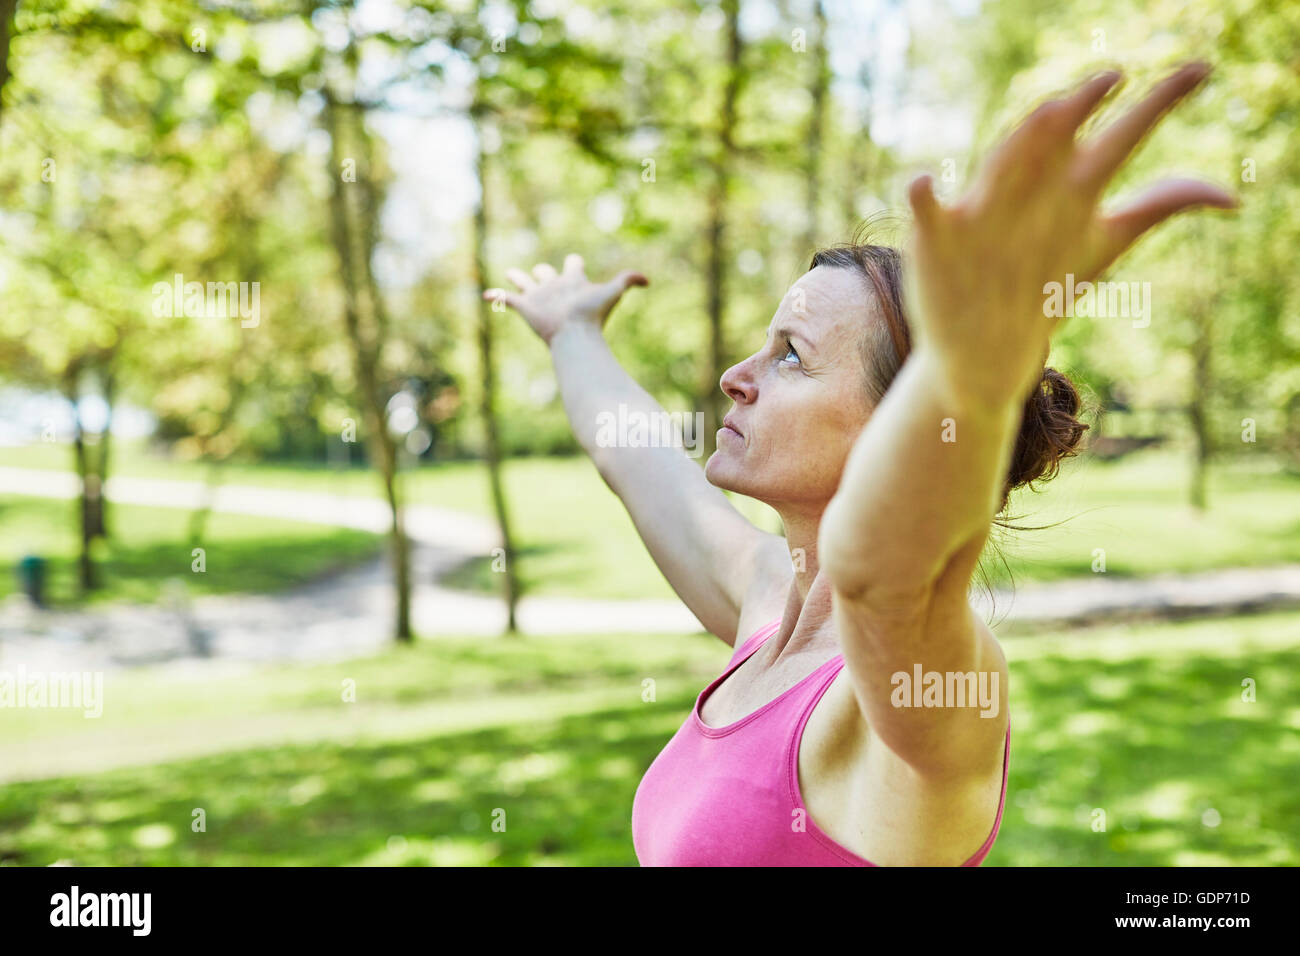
column 1156, row 204
column 522, row 279
column 509, row 298
column 616, row 286
column 920, row 196
column 573, row 265
column 610, row 292
column 1107, row 151
column 1079, row 105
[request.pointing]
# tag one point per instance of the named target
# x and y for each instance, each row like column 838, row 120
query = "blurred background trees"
column 373, row 165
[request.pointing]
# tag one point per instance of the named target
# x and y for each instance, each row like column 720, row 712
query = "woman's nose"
column 738, row 384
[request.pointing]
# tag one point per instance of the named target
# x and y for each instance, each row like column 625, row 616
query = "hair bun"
column 1049, row 432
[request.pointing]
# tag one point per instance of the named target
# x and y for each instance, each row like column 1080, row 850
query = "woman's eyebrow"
column 790, row 333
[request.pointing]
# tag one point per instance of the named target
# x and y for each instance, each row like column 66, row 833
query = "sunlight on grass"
column 1159, row 741
column 1168, row 800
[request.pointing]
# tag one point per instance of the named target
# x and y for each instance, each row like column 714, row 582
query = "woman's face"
column 800, row 400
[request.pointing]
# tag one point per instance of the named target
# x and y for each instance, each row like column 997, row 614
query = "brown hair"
column 1050, row 430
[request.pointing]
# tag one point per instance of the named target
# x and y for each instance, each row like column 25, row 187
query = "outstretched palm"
column 1031, row 217
column 547, row 299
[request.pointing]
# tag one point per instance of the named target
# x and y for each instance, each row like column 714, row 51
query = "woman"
column 863, row 719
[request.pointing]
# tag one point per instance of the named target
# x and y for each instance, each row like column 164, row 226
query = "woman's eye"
column 789, row 351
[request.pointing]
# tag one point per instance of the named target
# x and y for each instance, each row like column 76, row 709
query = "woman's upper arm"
column 885, row 647
column 706, row 549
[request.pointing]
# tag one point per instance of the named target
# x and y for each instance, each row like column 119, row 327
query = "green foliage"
column 1225, row 284
column 189, row 142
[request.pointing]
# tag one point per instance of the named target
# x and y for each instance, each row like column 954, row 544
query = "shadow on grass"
column 563, row 788
column 139, row 569
column 1163, row 752
column 255, row 566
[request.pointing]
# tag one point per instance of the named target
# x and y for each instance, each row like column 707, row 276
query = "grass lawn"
column 1136, row 512
column 576, row 540
column 149, row 546
column 1145, row 723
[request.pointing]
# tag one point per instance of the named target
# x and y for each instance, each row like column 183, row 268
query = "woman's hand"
column 979, row 266
column 549, row 300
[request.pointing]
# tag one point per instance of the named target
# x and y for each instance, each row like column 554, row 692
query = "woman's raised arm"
column 707, row 550
column 927, row 473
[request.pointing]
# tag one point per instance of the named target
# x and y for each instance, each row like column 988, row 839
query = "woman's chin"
column 716, row 470
column 723, row 470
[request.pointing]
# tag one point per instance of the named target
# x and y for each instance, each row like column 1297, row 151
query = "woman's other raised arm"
column 710, row 554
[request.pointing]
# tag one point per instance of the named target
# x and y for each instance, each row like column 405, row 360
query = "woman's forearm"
column 592, row 383
column 705, row 548
column 922, row 483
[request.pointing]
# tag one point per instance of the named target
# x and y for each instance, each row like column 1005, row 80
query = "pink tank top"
column 728, row 796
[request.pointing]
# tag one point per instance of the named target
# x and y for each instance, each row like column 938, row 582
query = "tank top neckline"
column 736, row 725
column 791, row 755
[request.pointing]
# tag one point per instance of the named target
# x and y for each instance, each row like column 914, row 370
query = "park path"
column 334, row 617
column 454, row 531
column 349, row 613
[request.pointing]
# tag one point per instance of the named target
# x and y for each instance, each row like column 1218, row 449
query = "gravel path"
column 350, row 613
column 335, row 617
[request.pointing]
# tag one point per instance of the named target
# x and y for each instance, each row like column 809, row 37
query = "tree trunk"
column 86, row 576
column 398, row 545
column 711, row 400
column 1202, row 310
column 857, row 158
column 100, row 528
column 216, row 468
column 1198, row 410
column 812, row 160
column 365, row 338
column 199, row 516
column 487, row 405
column 7, row 8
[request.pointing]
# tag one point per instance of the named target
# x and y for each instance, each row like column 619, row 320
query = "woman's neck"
column 806, row 621
column 801, row 539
